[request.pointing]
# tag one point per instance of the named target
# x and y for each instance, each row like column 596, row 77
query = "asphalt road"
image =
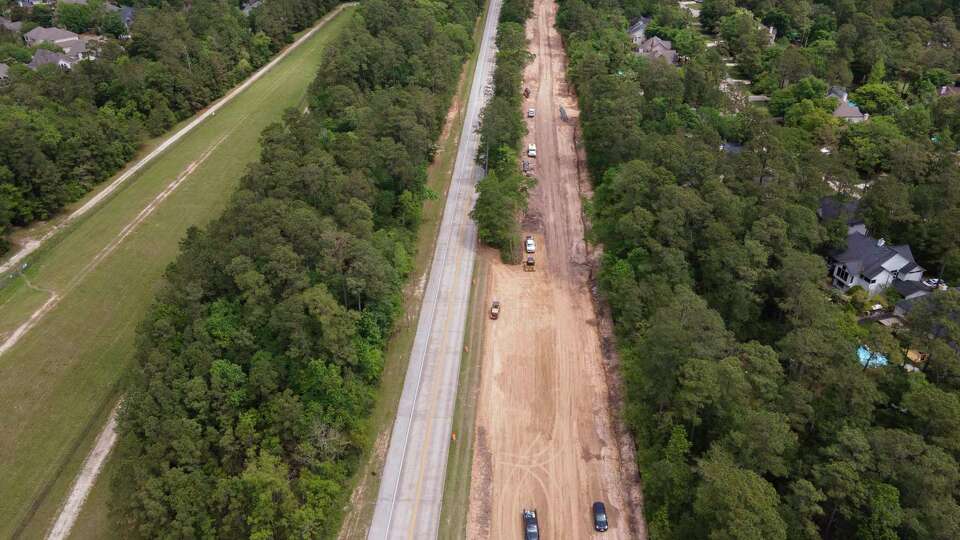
column 411, row 489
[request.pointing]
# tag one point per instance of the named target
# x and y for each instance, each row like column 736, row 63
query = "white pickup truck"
column 530, row 245
column 532, row 150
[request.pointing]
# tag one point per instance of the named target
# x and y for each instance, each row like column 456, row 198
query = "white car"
column 531, row 113
column 531, row 245
column 532, row 150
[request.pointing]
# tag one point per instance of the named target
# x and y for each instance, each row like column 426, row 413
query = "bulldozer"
column 529, row 264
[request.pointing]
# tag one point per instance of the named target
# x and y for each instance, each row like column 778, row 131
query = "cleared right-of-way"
column 411, row 489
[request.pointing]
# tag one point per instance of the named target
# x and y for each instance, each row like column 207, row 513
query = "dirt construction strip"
column 31, row 246
column 85, row 480
column 547, row 427
column 411, row 489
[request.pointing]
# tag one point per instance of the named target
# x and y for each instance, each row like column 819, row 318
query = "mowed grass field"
column 59, row 382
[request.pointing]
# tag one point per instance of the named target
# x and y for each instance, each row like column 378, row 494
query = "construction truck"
column 529, row 265
column 495, row 309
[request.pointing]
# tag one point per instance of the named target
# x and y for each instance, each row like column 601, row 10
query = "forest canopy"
column 258, row 363
column 753, row 417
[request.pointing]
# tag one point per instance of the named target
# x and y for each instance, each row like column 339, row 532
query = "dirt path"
column 85, row 480
column 30, row 245
column 546, row 438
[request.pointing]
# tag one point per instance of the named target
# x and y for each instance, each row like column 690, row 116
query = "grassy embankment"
column 59, row 382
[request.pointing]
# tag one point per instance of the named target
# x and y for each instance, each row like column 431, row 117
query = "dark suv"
column 531, row 530
column 600, row 517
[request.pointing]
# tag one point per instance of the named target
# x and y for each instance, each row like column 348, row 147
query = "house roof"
column 77, row 2
column 74, row 47
column 656, row 43
column 42, row 33
column 4, row 69
column 847, row 110
column 13, row 26
column 865, row 255
column 832, row 208
column 837, row 92
column 729, row 147
column 658, row 48
column 42, row 57
column 907, row 288
column 949, row 91
column 639, row 27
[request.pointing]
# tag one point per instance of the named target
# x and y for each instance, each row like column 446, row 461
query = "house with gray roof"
column 13, row 26
column 946, row 91
column 638, row 32
column 658, row 48
column 832, row 208
column 845, row 109
column 849, row 112
column 873, row 264
column 43, row 34
column 4, row 72
column 42, row 57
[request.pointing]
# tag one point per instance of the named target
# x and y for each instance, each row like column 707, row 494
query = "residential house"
column 945, row 91
column 872, row 264
column 13, row 26
column 43, row 34
column 42, row 57
column 731, row 148
column 658, row 48
column 845, row 110
column 849, row 112
column 74, row 2
column 73, row 46
column 4, row 72
column 832, row 208
column 249, row 6
column 771, row 34
column 838, row 93
column 638, row 32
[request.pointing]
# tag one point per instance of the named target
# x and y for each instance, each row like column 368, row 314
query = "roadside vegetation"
column 503, row 191
column 64, row 131
column 753, row 417
column 257, row 364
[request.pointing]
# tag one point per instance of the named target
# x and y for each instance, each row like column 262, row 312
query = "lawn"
column 60, row 381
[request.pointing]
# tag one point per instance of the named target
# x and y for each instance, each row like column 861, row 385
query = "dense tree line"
column 503, row 191
column 257, row 365
column 753, row 417
column 62, row 132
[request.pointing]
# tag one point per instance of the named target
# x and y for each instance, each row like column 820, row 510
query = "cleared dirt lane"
column 545, row 436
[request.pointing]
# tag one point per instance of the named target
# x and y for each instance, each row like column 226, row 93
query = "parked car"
column 531, row 113
column 600, row 517
column 530, row 245
column 495, row 309
column 531, row 529
column 531, row 150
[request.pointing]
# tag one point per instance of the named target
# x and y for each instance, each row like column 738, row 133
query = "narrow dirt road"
column 545, row 433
